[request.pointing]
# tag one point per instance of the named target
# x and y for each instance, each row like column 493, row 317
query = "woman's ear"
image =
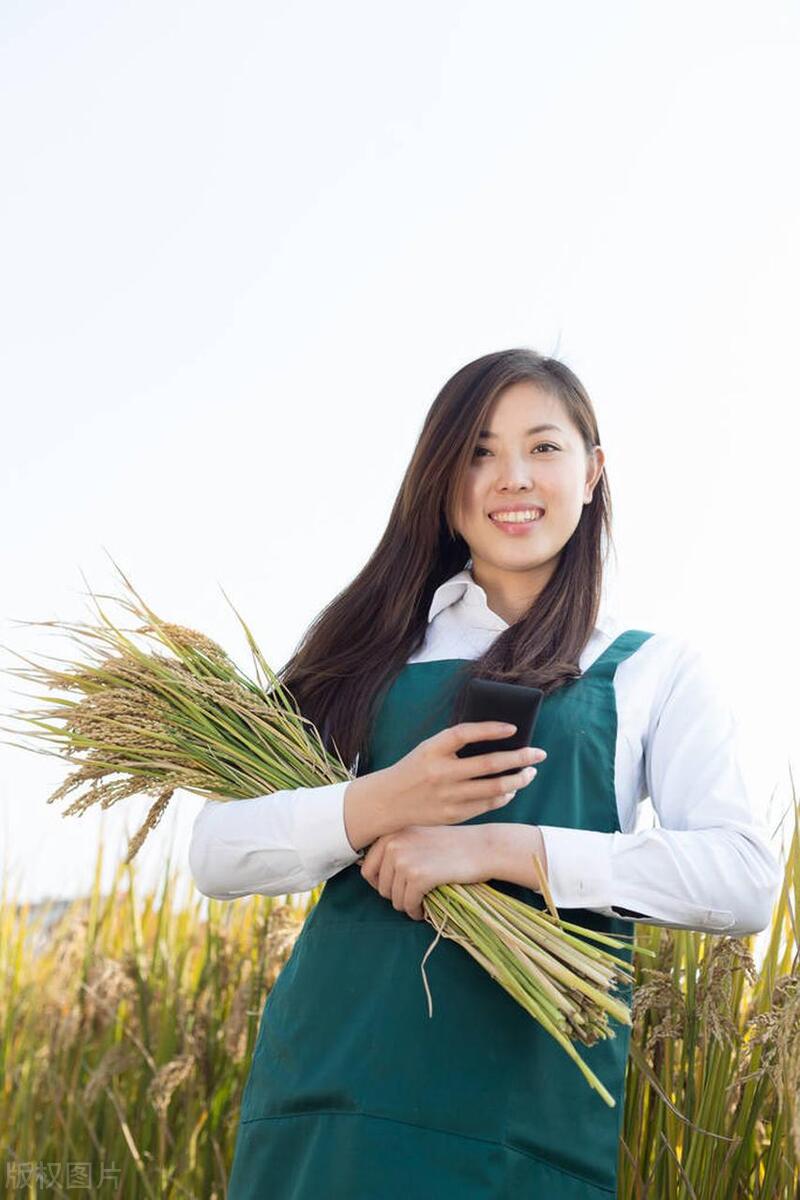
column 593, row 471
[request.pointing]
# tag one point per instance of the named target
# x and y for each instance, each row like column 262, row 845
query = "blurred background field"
column 129, row 1023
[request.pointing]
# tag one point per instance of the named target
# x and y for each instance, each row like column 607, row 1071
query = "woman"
column 355, row 1089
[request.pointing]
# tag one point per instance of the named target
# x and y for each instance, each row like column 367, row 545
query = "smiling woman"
column 531, row 490
column 491, row 566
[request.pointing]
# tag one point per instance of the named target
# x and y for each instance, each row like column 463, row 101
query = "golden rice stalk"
column 148, row 723
column 177, row 712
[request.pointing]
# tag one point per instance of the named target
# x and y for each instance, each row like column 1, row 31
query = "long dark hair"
column 355, row 647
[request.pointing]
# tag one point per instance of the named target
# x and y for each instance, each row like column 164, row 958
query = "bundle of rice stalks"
column 178, row 713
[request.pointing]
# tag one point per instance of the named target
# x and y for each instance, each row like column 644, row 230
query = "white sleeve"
column 288, row 841
column 709, row 866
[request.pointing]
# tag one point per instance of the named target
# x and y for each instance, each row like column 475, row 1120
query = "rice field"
column 128, row 1028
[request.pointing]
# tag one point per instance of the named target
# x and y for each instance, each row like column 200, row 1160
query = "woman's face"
column 515, row 464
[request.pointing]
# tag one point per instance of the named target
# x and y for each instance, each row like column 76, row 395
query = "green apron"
column 355, row 1091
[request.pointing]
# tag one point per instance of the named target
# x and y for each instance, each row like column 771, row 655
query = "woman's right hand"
column 433, row 786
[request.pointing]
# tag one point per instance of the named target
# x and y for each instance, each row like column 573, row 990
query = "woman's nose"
column 515, row 474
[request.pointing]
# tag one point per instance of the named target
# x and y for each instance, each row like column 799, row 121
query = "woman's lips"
column 516, row 528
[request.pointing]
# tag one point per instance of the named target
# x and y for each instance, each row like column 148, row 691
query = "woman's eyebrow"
column 485, row 433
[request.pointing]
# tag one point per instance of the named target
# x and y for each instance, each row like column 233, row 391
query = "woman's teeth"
column 516, row 517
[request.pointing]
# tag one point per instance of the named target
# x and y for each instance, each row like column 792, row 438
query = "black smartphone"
column 489, row 700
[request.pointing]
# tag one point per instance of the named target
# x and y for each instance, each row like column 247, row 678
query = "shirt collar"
column 462, row 589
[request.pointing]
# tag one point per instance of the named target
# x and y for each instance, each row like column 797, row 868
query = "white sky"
column 243, row 247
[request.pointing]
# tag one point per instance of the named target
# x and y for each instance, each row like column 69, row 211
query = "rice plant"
column 128, row 1030
column 159, row 707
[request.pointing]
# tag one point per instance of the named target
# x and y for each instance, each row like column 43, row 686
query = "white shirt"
column 707, row 867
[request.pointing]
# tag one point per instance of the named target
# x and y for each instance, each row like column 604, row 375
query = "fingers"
column 392, row 885
column 494, row 761
column 460, row 735
column 399, row 887
column 412, row 903
column 385, row 879
column 371, row 864
column 480, row 806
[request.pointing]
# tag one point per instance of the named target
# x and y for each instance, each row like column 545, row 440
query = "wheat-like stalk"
column 178, row 713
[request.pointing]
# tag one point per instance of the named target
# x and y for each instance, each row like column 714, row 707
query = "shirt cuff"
column 580, row 875
column 319, row 831
column 578, row 866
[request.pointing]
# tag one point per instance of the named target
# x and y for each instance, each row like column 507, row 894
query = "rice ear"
column 151, row 820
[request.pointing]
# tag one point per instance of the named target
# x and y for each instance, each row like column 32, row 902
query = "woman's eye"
column 480, row 450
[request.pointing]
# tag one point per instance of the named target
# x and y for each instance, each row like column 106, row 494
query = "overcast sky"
column 244, row 246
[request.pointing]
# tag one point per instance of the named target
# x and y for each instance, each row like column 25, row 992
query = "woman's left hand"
column 405, row 865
